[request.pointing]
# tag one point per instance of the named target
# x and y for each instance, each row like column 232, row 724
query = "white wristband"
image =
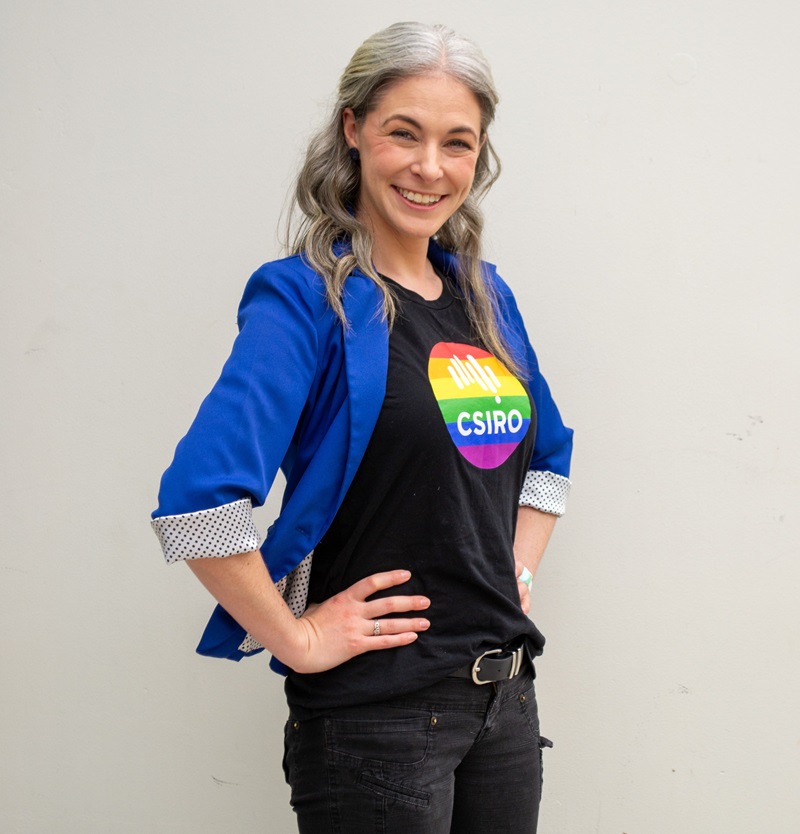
column 526, row 577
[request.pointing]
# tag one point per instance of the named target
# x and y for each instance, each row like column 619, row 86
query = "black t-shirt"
column 437, row 494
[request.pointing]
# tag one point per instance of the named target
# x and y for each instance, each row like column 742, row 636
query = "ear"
column 350, row 127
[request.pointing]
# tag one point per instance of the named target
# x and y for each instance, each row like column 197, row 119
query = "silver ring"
column 376, row 628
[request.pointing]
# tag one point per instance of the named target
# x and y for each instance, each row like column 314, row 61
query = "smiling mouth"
column 420, row 199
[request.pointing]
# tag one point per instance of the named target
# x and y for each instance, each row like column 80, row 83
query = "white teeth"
column 421, row 199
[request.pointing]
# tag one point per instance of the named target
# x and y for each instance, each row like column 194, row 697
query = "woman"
column 385, row 368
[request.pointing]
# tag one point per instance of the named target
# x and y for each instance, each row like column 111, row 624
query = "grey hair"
column 327, row 188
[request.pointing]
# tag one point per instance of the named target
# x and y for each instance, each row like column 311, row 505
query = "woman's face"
column 418, row 148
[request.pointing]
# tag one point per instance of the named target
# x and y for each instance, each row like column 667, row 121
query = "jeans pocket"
column 383, row 744
column 530, row 709
column 543, row 742
column 290, row 729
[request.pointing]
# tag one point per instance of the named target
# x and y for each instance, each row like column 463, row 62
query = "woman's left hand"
column 524, row 588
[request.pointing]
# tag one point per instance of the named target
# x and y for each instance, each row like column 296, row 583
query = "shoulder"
column 501, row 288
column 510, row 320
column 287, row 278
column 293, row 279
column 288, row 297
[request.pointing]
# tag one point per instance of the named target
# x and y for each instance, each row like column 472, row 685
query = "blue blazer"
column 302, row 393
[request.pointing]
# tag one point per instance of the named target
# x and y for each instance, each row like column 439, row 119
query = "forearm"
column 244, row 588
column 534, row 529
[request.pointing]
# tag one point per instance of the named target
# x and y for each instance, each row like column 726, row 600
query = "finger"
column 370, row 585
column 396, row 625
column 388, row 641
column 389, row 605
column 524, row 597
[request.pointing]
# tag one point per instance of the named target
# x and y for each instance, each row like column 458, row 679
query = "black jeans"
column 454, row 758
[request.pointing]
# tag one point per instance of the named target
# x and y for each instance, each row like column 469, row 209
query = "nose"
column 427, row 165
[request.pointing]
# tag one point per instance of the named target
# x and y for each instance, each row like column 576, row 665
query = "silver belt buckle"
column 516, row 664
column 476, row 666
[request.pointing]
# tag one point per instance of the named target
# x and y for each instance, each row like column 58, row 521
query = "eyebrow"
column 418, row 126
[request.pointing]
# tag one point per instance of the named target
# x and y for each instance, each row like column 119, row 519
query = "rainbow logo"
column 486, row 409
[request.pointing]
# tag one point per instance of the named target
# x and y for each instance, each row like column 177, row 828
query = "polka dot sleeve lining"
column 545, row 491
column 220, row 531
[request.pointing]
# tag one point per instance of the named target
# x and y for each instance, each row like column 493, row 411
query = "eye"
column 460, row 145
column 401, row 133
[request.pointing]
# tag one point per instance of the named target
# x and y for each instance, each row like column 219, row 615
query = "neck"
column 408, row 265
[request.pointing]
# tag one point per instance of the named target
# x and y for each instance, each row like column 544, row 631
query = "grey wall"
column 647, row 217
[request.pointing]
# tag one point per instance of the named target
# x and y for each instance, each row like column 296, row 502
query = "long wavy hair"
column 322, row 216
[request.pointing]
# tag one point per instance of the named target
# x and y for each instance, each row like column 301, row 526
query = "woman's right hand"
column 331, row 632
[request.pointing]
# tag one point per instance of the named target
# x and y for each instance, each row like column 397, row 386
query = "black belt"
column 493, row 666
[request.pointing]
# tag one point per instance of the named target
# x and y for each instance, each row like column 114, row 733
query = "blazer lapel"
column 366, row 342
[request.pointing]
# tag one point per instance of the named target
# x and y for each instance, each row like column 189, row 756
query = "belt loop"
column 517, row 665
